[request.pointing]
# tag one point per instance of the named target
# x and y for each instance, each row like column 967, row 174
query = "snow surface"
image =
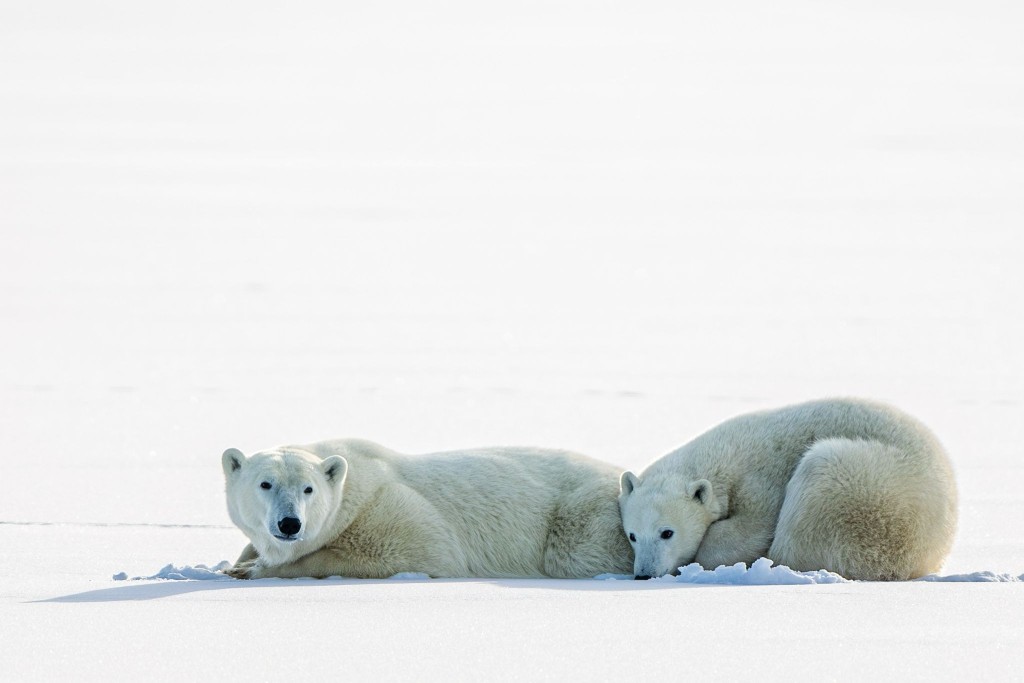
column 760, row 573
column 200, row 572
column 603, row 227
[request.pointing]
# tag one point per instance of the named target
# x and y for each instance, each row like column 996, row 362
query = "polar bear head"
column 665, row 521
column 283, row 498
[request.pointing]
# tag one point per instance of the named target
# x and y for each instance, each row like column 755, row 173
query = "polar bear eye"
column 632, row 538
column 308, row 489
column 667, row 534
column 265, row 485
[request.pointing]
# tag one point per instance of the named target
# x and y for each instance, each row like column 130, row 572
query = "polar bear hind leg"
column 866, row 510
column 585, row 536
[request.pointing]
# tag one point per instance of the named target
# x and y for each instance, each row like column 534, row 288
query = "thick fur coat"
column 852, row 486
column 357, row 509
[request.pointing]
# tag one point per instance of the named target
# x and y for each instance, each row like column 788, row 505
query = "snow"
column 760, row 573
column 200, row 572
column 439, row 225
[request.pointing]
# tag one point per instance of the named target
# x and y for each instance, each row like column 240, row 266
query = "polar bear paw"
column 249, row 569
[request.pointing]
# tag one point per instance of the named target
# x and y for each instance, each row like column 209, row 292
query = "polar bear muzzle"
column 289, row 526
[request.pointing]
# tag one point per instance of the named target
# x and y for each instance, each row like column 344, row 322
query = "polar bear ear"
column 232, row 460
column 335, row 468
column 700, row 490
column 627, row 482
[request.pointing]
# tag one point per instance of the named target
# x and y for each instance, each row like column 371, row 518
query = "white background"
column 596, row 226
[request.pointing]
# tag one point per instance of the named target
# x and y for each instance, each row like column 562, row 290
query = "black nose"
column 289, row 526
column 641, row 577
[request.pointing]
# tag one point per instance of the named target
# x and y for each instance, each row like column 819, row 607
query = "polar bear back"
column 754, row 455
column 500, row 502
column 506, row 509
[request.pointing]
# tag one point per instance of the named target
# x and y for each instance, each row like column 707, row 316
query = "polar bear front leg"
column 740, row 538
column 244, row 564
column 317, row 565
column 243, row 569
column 248, row 553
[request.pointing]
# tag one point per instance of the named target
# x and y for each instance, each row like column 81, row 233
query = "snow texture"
column 199, row 572
column 760, row 573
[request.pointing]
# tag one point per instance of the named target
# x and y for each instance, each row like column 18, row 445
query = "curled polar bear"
column 847, row 485
column 354, row 508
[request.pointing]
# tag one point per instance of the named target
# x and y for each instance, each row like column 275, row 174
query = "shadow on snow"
column 159, row 588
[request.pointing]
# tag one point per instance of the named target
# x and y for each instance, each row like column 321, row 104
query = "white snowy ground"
column 597, row 226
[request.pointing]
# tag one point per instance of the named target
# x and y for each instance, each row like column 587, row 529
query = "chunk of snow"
column 200, row 572
column 761, row 573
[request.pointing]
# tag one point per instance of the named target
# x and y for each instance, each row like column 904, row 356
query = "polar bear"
column 848, row 485
column 354, row 508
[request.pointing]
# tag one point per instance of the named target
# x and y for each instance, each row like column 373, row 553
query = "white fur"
column 847, row 485
column 373, row 513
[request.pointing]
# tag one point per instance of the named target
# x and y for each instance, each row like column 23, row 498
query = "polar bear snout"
column 285, row 524
column 289, row 526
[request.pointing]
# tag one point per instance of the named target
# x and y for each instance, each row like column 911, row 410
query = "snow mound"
column 761, row 573
column 200, row 572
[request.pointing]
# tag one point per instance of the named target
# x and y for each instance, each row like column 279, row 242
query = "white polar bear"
column 354, row 508
column 847, row 485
